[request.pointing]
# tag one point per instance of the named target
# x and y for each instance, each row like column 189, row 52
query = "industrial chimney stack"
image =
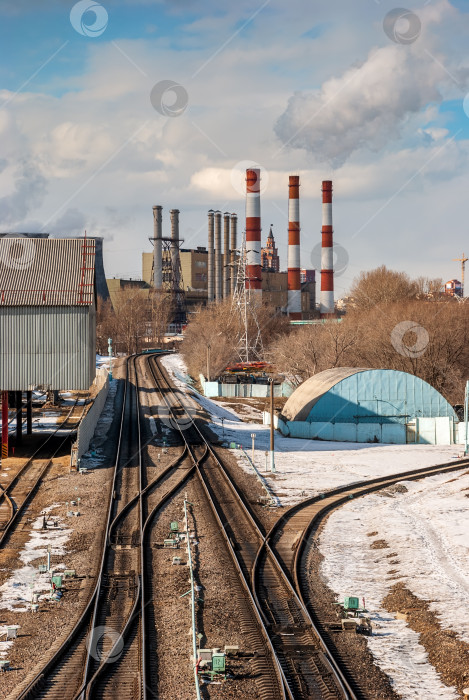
column 174, row 217
column 253, row 231
column 226, row 255
column 157, row 248
column 218, row 268
column 210, row 285
column 234, row 245
column 326, row 306
column 294, row 285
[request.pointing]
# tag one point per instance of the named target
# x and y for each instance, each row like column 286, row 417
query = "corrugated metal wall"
column 380, row 396
column 426, row 431
column 52, row 347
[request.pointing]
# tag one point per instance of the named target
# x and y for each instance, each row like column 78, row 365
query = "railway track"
column 112, row 650
column 310, row 663
column 208, row 469
column 300, row 659
column 297, row 530
column 106, row 653
column 15, row 496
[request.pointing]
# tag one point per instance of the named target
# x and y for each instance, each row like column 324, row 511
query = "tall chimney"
column 253, row 231
column 174, row 214
column 157, row 248
column 218, row 271
column 326, row 306
column 210, row 285
column 294, row 286
column 234, row 245
column 226, row 255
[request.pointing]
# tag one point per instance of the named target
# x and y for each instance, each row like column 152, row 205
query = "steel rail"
column 82, row 623
column 152, row 363
column 137, row 614
column 15, row 514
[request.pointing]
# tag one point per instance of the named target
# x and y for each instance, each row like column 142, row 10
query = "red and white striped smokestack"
column 326, row 306
column 253, row 230
column 294, row 286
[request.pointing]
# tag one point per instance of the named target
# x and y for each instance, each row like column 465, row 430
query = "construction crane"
column 463, row 262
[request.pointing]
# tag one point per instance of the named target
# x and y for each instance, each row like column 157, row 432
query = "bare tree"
column 218, row 326
column 132, row 311
column 106, row 324
column 162, row 312
column 382, row 286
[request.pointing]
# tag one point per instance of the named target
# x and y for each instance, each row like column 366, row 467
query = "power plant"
column 211, row 274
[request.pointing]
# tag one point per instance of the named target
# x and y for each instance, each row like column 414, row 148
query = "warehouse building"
column 369, row 405
column 47, row 313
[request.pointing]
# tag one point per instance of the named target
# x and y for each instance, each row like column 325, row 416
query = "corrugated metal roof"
column 300, row 403
column 349, row 395
column 47, row 272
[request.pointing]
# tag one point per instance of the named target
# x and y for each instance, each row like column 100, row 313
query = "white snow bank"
column 427, row 529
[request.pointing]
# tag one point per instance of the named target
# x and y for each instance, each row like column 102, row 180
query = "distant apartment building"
column 453, row 288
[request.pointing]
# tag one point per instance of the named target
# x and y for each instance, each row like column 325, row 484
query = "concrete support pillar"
column 19, row 417
column 29, row 412
column 4, row 424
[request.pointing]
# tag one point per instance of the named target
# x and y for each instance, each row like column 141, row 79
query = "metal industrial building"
column 47, row 313
column 369, row 405
column 194, row 268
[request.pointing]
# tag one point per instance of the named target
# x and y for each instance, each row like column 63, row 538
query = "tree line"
column 392, row 322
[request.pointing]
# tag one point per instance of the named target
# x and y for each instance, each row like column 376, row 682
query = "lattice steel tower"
column 245, row 305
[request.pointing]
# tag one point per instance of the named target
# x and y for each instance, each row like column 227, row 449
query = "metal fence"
column 246, row 391
column 88, row 424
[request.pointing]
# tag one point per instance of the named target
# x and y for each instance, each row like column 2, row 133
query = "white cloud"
column 368, row 106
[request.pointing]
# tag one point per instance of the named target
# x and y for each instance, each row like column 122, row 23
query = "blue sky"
column 311, row 88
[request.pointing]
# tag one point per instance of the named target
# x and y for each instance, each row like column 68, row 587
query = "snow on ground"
column 426, row 526
column 307, row 467
column 427, row 529
column 16, row 592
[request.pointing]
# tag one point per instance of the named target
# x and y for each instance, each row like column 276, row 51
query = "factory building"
column 47, row 313
column 369, row 405
column 194, row 277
